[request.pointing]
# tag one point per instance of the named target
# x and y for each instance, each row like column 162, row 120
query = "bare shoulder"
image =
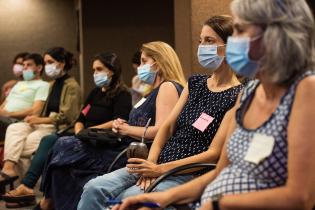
column 306, row 87
column 167, row 87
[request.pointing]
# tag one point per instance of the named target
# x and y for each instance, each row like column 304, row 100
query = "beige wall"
column 34, row 26
column 189, row 18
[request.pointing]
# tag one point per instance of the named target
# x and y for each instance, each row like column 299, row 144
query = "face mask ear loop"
column 223, row 56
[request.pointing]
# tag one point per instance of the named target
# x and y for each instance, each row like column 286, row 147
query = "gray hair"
column 288, row 39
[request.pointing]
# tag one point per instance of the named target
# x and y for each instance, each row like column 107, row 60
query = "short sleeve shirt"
column 25, row 93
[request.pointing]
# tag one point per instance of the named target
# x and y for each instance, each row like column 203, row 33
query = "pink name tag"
column 86, row 110
column 203, row 121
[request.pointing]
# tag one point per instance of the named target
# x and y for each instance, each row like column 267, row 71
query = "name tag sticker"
column 203, row 121
column 139, row 103
column 260, row 147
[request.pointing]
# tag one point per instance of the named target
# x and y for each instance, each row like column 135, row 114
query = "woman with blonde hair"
column 268, row 161
column 74, row 162
column 187, row 135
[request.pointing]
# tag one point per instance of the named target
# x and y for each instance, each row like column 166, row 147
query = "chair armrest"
column 110, row 168
column 210, row 166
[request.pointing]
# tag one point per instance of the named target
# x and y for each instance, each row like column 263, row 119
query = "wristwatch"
column 215, row 201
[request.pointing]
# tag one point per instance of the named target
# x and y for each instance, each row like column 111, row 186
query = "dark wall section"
column 35, row 25
column 121, row 27
column 312, row 4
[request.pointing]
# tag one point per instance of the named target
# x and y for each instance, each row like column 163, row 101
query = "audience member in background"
column 267, row 163
column 17, row 69
column 187, row 132
column 68, row 169
column 138, row 87
column 108, row 100
column 27, row 97
column 61, row 109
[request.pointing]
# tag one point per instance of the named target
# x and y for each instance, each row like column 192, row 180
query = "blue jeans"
column 118, row 185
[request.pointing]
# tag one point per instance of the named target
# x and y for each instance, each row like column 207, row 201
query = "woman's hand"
column 144, row 168
column 120, row 126
column 161, row 198
column 145, row 182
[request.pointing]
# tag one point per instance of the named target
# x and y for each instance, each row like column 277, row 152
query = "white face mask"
column 52, row 71
column 18, row 70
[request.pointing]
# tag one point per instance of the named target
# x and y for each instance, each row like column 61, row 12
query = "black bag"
column 99, row 137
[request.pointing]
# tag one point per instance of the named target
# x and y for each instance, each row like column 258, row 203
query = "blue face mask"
column 28, row 74
column 101, row 79
column 237, row 56
column 146, row 74
column 208, row 57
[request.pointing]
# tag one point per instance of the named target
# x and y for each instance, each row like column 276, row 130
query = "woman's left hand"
column 144, row 167
column 145, row 182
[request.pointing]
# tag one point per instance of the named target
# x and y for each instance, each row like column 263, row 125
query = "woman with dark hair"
column 60, row 110
column 70, row 157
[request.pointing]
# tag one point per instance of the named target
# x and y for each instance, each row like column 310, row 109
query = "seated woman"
column 73, row 162
column 60, row 110
column 109, row 100
column 267, row 163
column 187, row 132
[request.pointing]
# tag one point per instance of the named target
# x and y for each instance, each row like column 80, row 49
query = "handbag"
column 99, row 137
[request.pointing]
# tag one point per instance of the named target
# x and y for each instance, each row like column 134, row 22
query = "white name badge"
column 139, row 103
column 260, row 147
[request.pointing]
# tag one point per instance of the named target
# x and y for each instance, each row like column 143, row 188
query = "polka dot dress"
column 243, row 176
column 188, row 140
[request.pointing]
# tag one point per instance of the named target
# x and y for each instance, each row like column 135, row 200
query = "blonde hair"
column 166, row 59
column 288, row 38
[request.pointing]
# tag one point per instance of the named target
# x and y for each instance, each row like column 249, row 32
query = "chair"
column 176, row 170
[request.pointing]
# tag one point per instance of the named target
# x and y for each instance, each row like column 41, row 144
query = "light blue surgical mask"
column 101, row 79
column 146, row 74
column 208, row 57
column 28, row 74
column 237, row 56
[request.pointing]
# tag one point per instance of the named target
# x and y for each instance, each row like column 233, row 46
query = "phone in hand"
column 152, row 205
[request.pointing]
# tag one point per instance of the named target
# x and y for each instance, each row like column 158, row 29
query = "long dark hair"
column 112, row 62
column 61, row 55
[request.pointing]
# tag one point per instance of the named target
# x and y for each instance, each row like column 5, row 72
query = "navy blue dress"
column 73, row 163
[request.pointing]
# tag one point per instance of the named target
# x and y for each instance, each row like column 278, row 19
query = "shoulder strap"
column 178, row 87
column 248, row 89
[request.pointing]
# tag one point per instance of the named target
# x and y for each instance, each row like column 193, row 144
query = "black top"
column 53, row 103
column 187, row 140
column 99, row 108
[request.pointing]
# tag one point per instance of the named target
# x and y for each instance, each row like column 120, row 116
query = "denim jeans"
column 118, row 185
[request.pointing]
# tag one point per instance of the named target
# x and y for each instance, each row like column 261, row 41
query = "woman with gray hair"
column 267, row 162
